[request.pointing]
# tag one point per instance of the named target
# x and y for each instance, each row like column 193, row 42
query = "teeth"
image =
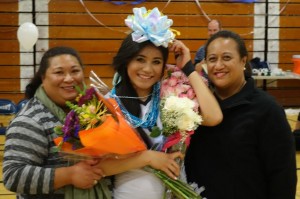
column 144, row 77
column 69, row 87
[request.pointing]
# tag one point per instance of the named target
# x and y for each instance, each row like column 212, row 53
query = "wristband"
column 188, row 68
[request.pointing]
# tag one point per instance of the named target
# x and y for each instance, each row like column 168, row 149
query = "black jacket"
column 250, row 155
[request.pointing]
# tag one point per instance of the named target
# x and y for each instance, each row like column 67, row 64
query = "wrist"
column 188, row 68
column 144, row 157
column 63, row 177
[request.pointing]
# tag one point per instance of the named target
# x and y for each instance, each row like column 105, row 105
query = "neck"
column 228, row 92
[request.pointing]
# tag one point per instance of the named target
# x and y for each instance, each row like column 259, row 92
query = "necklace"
column 225, row 94
column 129, row 97
column 243, row 84
column 150, row 118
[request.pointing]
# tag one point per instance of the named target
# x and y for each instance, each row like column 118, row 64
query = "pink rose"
column 191, row 94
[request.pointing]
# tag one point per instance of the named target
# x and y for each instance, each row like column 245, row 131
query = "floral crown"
column 151, row 25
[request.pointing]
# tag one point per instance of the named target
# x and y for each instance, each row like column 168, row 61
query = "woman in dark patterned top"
column 31, row 168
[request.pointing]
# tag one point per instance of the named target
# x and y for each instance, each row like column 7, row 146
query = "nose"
column 68, row 77
column 219, row 64
column 147, row 67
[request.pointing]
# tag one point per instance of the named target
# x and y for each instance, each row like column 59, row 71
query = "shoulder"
column 34, row 115
column 266, row 107
column 201, row 48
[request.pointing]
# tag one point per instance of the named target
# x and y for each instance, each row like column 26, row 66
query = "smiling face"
column 225, row 66
column 145, row 69
column 62, row 75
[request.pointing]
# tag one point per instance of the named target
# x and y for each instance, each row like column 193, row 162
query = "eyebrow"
column 141, row 55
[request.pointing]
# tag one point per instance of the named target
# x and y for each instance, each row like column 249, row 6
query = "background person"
column 251, row 153
column 213, row 27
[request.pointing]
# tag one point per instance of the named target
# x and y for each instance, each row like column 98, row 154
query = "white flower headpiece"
column 150, row 25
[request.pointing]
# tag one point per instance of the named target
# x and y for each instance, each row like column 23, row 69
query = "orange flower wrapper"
column 113, row 136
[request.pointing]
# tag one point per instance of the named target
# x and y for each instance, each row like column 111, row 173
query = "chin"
column 70, row 97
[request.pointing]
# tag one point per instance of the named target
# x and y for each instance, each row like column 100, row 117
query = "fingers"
column 98, row 171
column 178, row 47
column 172, row 170
column 86, row 176
column 92, row 162
column 182, row 53
column 177, row 155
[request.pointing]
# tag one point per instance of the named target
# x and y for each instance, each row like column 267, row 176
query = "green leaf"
column 155, row 132
column 58, row 130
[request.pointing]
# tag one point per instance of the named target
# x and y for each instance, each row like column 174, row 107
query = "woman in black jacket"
column 251, row 153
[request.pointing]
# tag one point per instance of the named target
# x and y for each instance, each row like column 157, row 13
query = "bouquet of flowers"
column 96, row 127
column 179, row 108
column 180, row 117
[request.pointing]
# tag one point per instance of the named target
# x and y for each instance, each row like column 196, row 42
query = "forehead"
column 150, row 50
column 223, row 45
column 63, row 60
column 213, row 25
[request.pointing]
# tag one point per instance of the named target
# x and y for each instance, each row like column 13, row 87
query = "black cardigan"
column 250, row 155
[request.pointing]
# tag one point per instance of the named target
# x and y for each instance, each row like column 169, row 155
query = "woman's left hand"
column 182, row 53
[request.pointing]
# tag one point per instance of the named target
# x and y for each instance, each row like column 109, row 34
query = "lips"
column 70, row 88
column 220, row 74
column 144, row 76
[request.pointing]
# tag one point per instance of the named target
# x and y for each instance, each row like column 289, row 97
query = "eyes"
column 213, row 58
column 155, row 61
column 74, row 71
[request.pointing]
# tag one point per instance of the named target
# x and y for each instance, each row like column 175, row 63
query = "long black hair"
column 36, row 81
column 128, row 50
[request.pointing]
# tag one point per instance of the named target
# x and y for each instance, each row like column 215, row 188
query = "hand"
column 182, row 53
column 85, row 174
column 165, row 162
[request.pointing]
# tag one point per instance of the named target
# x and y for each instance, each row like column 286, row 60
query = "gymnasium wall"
column 96, row 28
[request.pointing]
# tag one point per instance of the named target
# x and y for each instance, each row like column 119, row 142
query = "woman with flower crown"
column 139, row 65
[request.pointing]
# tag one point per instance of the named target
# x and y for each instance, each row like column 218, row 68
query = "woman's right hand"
column 85, row 175
column 82, row 175
column 165, row 162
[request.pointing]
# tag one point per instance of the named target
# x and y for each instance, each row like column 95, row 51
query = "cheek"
column 51, row 81
column 209, row 69
column 130, row 73
column 159, row 70
column 79, row 77
column 131, row 68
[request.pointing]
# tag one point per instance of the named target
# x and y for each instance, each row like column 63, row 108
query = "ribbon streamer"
column 169, row 1
column 176, row 138
column 203, row 12
column 93, row 17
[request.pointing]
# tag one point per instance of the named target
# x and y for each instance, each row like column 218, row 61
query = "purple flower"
column 87, row 97
column 71, row 125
